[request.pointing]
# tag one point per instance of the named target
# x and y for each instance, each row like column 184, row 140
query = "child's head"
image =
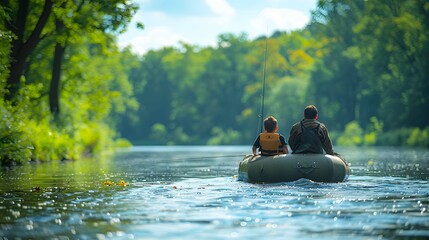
column 270, row 124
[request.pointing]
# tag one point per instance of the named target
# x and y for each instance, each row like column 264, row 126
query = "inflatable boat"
column 291, row 167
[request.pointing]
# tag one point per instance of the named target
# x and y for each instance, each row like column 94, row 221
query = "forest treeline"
column 68, row 91
column 364, row 64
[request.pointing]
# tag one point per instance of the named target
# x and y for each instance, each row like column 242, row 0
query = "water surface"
column 193, row 193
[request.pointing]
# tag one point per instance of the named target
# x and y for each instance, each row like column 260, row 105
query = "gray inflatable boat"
column 291, row 167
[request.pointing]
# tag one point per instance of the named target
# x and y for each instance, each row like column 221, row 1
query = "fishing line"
column 261, row 112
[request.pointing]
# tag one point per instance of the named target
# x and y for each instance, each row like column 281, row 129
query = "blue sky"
column 200, row 22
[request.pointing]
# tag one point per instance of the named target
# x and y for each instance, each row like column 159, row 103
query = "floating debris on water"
column 108, row 183
column 121, row 183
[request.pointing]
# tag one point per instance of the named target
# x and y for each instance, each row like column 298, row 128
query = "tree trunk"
column 22, row 48
column 16, row 62
column 54, row 90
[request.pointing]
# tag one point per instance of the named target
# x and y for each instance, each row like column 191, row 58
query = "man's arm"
column 293, row 138
column 326, row 141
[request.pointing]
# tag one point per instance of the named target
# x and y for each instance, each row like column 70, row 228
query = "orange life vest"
column 270, row 143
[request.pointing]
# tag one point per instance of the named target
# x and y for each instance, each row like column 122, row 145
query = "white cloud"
column 154, row 38
column 221, row 7
column 279, row 19
column 163, row 28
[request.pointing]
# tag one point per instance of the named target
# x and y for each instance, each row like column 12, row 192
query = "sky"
column 200, row 22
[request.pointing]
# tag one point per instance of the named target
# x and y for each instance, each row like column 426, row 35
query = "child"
column 270, row 142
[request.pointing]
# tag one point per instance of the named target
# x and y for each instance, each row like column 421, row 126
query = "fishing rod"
column 261, row 113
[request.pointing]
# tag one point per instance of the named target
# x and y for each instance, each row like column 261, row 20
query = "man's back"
column 310, row 136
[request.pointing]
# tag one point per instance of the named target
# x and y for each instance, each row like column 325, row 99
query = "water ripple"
column 169, row 197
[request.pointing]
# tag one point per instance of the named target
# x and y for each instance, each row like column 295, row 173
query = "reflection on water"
column 390, row 161
column 192, row 192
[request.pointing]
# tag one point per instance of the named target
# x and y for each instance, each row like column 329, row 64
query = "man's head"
column 310, row 112
column 270, row 124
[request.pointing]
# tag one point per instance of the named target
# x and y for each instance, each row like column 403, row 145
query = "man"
column 310, row 135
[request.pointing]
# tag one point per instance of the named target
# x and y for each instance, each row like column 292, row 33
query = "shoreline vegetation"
column 68, row 92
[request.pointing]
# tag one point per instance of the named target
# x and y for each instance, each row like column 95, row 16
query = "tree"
column 70, row 19
column 113, row 15
column 335, row 79
column 70, row 44
column 156, row 96
column 26, row 37
column 393, row 40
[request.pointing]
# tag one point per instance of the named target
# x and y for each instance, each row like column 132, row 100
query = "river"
column 193, row 193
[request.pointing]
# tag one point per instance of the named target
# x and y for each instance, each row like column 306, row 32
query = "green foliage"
column 5, row 39
column 354, row 78
column 419, row 137
column 159, row 133
column 94, row 137
column 122, row 143
column 372, row 132
column 374, row 62
column 212, row 95
column 396, row 137
column 221, row 137
column 27, row 136
column 179, row 136
column 48, row 143
column 370, row 138
column 289, row 109
column 93, row 82
column 352, row 135
column 14, row 145
column 373, row 135
column 335, row 81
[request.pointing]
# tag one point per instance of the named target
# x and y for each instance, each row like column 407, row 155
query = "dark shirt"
column 322, row 133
